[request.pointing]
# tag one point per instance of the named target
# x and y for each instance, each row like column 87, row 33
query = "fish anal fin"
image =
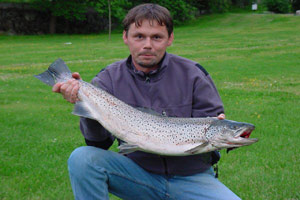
column 81, row 110
column 197, row 148
column 126, row 148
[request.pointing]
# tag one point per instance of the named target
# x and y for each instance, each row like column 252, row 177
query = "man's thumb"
column 76, row 75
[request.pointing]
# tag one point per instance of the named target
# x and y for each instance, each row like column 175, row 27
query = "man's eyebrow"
column 137, row 33
column 157, row 34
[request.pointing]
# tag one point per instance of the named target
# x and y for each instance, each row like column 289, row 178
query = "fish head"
column 228, row 134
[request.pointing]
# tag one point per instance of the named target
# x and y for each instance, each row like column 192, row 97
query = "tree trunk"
column 52, row 25
column 67, row 26
column 109, row 19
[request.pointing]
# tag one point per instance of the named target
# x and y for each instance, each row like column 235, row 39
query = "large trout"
column 145, row 131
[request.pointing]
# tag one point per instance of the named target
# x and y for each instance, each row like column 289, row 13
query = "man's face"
column 147, row 43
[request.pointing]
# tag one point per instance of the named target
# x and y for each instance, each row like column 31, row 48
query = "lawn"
column 254, row 60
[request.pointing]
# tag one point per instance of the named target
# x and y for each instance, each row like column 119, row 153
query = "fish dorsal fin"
column 149, row 111
column 82, row 110
column 126, row 148
column 197, row 148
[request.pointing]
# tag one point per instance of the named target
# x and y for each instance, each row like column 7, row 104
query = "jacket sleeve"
column 94, row 133
column 206, row 99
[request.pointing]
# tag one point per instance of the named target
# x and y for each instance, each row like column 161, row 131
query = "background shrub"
column 295, row 5
column 278, row 6
column 219, row 6
column 180, row 10
column 242, row 3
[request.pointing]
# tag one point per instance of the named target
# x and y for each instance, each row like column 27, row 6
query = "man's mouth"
column 146, row 54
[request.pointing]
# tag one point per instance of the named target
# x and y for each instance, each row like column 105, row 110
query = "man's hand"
column 69, row 89
column 221, row 116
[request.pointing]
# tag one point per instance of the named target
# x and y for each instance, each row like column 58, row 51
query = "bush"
column 180, row 10
column 295, row 5
column 278, row 6
column 201, row 5
column 219, row 6
column 242, row 3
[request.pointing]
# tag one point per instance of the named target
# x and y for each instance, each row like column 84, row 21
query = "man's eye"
column 157, row 37
column 139, row 36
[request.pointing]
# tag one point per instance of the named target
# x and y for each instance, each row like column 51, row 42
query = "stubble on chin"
column 151, row 64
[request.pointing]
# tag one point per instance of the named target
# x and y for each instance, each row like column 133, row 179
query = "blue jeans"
column 95, row 172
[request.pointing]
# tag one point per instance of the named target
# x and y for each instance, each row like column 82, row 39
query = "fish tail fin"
column 56, row 72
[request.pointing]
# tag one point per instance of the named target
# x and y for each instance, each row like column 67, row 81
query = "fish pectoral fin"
column 126, row 148
column 197, row 148
column 81, row 110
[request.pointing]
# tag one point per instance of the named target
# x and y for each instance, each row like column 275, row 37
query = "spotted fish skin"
column 147, row 132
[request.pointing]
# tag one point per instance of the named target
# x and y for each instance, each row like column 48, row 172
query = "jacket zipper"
column 147, row 79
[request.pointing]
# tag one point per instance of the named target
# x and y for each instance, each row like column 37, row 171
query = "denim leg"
column 95, row 172
column 201, row 186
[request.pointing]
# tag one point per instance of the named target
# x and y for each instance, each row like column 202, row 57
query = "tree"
column 219, row 6
column 74, row 9
column 295, row 5
column 201, row 5
column 109, row 19
column 114, row 10
column 278, row 6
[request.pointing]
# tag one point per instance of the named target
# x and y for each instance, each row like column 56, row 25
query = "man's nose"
column 147, row 44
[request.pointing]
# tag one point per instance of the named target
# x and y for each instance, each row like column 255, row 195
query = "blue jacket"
column 178, row 88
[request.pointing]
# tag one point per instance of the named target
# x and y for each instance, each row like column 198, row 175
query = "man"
column 170, row 85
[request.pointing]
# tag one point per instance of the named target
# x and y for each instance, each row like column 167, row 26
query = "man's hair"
column 149, row 12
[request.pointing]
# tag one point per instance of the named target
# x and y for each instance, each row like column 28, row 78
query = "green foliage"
column 180, row 10
column 278, row 6
column 219, row 6
column 201, row 5
column 242, row 3
column 295, row 5
column 68, row 9
column 119, row 9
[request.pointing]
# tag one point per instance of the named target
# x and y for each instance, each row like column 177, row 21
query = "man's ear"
column 125, row 37
column 171, row 38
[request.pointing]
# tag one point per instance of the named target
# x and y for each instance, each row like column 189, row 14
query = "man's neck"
column 144, row 69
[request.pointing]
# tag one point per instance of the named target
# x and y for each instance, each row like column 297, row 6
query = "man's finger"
column 74, row 94
column 76, row 75
column 68, row 89
column 63, row 88
column 68, row 92
column 56, row 87
column 221, row 116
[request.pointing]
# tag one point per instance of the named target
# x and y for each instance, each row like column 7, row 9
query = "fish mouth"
column 246, row 133
column 243, row 137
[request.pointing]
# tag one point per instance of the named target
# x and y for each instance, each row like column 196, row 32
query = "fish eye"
column 234, row 127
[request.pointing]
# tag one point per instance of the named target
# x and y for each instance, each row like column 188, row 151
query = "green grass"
column 253, row 59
